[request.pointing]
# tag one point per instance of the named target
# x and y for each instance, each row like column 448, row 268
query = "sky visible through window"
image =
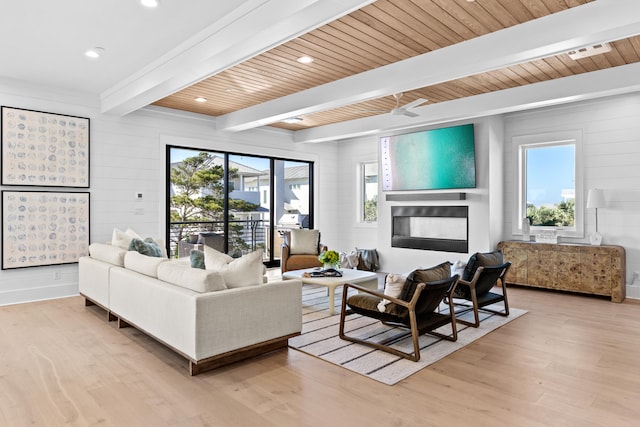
column 550, row 171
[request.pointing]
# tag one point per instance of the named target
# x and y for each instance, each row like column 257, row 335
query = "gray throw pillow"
column 148, row 247
column 197, row 258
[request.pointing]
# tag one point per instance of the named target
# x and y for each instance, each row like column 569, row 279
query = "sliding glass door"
column 235, row 203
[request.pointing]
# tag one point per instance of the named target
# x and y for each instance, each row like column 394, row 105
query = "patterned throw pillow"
column 197, row 258
column 148, row 247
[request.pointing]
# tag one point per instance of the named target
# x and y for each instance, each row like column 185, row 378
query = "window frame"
column 272, row 261
column 361, row 176
column 520, row 145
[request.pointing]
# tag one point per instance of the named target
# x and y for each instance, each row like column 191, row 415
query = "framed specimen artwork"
column 44, row 149
column 44, row 228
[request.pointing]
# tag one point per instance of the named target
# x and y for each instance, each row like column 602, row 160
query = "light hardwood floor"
column 571, row 361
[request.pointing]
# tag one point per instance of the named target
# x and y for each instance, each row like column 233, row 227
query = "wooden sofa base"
column 88, row 302
column 198, row 366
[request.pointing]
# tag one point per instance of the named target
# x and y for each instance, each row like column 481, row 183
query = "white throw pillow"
column 214, row 259
column 122, row 239
column 107, row 253
column 304, row 241
column 196, row 279
column 244, row 271
column 392, row 287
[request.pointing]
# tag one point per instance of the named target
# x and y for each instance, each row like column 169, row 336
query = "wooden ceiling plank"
column 480, row 12
column 635, row 42
column 385, row 49
column 389, row 30
column 455, row 28
column 499, row 12
column 350, row 53
column 537, row 8
column 558, row 66
column 462, row 16
column 359, row 30
column 335, row 66
column 431, row 23
column 414, row 28
column 626, row 50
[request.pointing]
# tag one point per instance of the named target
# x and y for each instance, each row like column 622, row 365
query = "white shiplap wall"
column 611, row 155
column 128, row 156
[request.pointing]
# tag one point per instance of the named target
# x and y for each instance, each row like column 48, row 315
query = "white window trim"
column 360, row 184
column 552, row 138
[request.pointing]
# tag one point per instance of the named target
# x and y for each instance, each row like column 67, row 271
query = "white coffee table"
column 365, row 279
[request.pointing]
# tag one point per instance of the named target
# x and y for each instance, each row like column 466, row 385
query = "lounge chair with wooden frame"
column 419, row 314
column 478, row 291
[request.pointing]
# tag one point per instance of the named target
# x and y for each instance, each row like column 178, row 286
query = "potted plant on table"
column 330, row 259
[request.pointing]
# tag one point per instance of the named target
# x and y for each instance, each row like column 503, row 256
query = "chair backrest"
column 433, row 294
column 488, row 276
column 302, row 241
column 481, row 259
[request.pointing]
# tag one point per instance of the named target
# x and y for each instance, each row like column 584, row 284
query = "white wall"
column 485, row 202
column 127, row 156
column 611, row 155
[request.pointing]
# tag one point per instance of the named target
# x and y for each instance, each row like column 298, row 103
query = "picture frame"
column 44, row 149
column 42, row 228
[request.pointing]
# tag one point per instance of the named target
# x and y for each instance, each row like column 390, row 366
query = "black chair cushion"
column 481, row 259
column 367, row 305
column 424, row 275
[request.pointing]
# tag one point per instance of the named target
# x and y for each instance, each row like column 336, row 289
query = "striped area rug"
column 320, row 338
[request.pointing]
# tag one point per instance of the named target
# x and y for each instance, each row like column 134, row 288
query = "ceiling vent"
column 587, row 51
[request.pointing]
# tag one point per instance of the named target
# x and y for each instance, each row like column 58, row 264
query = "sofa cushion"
column 143, row 264
column 481, row 259
column 304, row 241
column 123, row 239
column 197, row 280
column 244, row 271
column 107, row 253
column 214, row 258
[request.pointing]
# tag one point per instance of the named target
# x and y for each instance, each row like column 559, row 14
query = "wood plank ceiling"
column 382, row 33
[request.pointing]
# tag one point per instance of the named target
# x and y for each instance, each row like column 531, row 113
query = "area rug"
column 320, row 339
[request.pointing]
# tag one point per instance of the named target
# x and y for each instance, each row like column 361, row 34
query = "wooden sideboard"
column 598, row 270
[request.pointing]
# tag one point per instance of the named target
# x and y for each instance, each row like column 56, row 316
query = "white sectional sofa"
column 189, row 309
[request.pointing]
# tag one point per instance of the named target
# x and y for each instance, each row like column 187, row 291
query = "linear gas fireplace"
column 435, row 228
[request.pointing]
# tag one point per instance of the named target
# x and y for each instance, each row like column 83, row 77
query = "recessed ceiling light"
column 292, row 120
column 200, row 99
column 149, row 3
column 94, row 53
column 305, row 60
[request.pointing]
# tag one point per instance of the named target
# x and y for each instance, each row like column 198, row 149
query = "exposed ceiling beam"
column 596, row 84
column 603, row 20
column 254, row 27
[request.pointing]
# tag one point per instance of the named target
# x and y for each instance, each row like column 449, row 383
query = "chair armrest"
column 409, row 304
column 284, row 256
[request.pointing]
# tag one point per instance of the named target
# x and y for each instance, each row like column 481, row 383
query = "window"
column 369, row 190
column 549, row 183
column 233, row 202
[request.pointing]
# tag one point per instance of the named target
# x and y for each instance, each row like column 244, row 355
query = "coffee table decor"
column 363, row 278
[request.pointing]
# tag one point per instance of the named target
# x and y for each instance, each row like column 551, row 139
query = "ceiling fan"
column 404, row 110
